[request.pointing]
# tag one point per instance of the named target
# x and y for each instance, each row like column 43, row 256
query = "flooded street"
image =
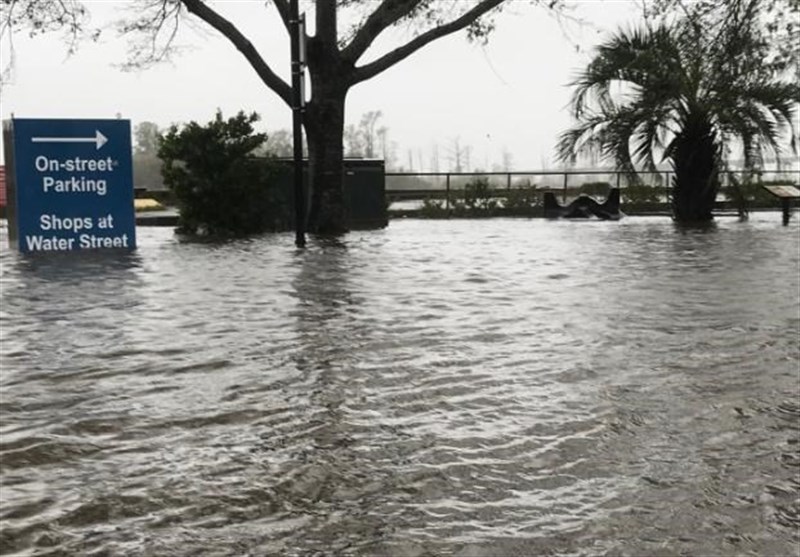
column 465, row 388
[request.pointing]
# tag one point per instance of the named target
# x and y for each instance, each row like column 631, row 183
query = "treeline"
column 369, row 138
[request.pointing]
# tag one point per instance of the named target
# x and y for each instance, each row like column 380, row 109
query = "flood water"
column 466, row 388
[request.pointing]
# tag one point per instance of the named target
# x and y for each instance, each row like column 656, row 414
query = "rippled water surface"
column 498, row 387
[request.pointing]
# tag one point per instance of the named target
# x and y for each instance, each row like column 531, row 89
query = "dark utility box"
column 364, row 191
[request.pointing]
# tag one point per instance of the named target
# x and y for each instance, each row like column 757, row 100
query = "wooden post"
column 785, row 194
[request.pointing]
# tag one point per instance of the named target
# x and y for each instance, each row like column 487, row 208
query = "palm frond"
column 581, row 137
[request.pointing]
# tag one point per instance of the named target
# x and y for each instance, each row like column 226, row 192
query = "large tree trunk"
column 324, row 124
column 695, row 159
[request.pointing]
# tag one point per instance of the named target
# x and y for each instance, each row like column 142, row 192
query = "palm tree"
column 680, row 93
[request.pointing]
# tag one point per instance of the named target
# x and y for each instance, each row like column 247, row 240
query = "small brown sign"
column 784, row 192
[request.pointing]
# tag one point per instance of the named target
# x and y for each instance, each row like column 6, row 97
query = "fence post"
column 669, row 189
column 508, row 181
column 564, row 195
column 447, row 194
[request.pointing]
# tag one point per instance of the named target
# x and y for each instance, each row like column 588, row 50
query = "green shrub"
column 458, row 208
column 433, row 209
column 478, row 197
column 638, row 194
column 595, row 188
column 220, row 190
column 522, row 200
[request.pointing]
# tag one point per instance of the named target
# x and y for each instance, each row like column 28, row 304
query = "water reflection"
column 322, row 290
column 332, row 482
column 58, row 304
column 323, row 314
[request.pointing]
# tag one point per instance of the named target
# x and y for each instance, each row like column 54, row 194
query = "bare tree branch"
column 43, row 16
column 151, row 22
column 283, row 10
column 243, row 45
column 37, row 17
column 362, row 73
column 384, row 16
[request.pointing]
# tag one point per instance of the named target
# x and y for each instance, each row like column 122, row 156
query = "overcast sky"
column 510, row 94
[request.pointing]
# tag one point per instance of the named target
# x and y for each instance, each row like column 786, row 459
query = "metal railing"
column 448, row 186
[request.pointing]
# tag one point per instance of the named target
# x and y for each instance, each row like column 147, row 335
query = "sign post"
column 70, row 185
column 785, row 194
column 297, row 51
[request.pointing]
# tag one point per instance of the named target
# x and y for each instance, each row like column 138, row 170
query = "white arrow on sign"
column 99, row 139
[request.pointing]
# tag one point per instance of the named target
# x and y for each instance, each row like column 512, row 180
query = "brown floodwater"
column 466, row 388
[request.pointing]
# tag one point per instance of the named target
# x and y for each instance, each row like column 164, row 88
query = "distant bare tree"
column 368, row 132
column 508, row 160
column 382, row 134
column 364, row 140
column 279, row 143
column 353, row 141
column 146, row 138
column 435, row 158
column 456, row 155
column 69, row 17
column 391, row 156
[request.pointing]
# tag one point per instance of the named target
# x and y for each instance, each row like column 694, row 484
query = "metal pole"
column 447, row 195
column 297, row 125
column 786, row 209
column 669, row 188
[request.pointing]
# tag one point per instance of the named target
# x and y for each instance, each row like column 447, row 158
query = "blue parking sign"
column 70, row 184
